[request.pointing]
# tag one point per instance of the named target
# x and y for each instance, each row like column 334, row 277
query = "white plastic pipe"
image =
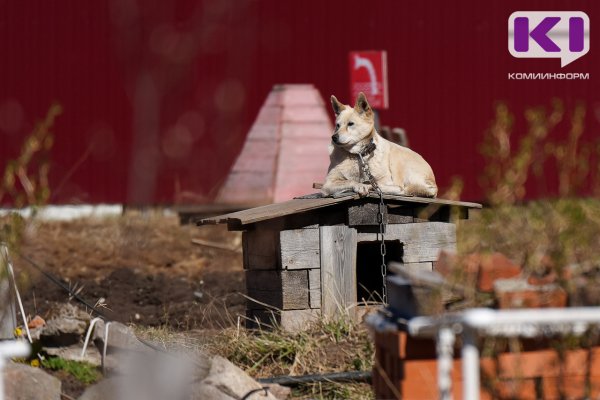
column 445, row 351
column 470, row 365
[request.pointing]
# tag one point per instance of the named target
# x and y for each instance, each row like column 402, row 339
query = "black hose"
column 351, row 376
column 250, row 393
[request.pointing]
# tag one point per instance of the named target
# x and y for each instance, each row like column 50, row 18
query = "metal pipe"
column 88, row 335
column 445, row 351
column 470, row 365
column 485, row 318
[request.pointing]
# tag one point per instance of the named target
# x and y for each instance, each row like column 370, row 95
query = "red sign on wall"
column 368, row 74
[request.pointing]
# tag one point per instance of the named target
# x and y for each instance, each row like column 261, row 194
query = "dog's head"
column 352, row 125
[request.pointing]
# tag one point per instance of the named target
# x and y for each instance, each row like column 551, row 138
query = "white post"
column 11, row 276
column 470, row 364
column 8, row 314
column 445, row 351
column 9, row 349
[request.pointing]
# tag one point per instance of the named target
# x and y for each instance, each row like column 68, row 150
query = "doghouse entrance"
column 368, row 267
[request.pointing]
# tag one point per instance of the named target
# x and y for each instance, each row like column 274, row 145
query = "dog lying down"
column 396, row 169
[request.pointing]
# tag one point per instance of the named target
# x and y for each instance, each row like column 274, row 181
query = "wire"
column 64, row 287
column 76, row 296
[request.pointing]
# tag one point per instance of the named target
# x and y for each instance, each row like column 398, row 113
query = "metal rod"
column 87, row 336
column 485, row 318
column 445, row 351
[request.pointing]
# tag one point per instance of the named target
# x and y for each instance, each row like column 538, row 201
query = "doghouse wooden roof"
column 298, row 205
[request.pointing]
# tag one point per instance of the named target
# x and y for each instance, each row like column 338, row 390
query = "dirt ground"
column 143, row 268
column 140, row 267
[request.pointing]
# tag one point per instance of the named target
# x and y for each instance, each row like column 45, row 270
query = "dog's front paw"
column 362, row 189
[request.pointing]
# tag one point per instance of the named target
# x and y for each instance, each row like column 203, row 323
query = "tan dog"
column 397, row 170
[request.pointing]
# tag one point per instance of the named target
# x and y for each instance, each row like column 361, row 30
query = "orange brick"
column 36, row 322
column 510, row 375
column 477, row 269
column 517, row 293
column 495, row 266
column 446, row 263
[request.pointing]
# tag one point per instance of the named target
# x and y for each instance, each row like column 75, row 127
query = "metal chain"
column 380, row 220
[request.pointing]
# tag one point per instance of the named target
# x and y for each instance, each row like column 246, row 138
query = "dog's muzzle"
column 335, row 138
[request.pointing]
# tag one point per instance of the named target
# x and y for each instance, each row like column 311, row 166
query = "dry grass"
column 327, row 346
column 560, row 236
column 539, row 234
column 149, row 241
column 338, row 345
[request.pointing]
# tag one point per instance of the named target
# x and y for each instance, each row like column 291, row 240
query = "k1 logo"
column 549, row 34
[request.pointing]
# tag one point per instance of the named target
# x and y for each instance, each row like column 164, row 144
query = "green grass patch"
column 82, row 371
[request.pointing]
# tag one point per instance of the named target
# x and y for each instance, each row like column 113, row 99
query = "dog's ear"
column 362, row 105
column 337, row 106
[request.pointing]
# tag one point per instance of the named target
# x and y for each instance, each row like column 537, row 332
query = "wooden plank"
column 365, row 214
column 424, row 200
column 338, row 269
column 401, row 214
column 422, row 242
column 289, row 320
column 314, row 287
column 298, row 320
column 271, row 211
column 260, row 249
column 276, row 210
column 216, row 245
column 295, row 289
column 299, row 249
column 286, row 290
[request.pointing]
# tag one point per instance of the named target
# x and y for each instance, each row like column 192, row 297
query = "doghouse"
column 312, row 256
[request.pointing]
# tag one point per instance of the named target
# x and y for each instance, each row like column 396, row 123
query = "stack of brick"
column 406, row 367
column 286, row 150
column 496, row 274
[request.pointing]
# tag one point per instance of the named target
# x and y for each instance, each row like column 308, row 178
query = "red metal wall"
column 158, row 96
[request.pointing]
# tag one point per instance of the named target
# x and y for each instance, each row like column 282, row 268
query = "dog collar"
column 368, row 149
